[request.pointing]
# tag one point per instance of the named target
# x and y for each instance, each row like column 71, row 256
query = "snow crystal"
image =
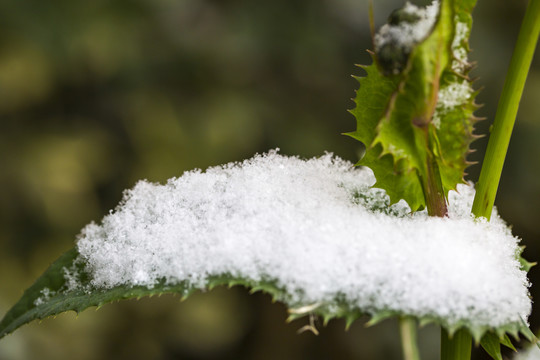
column 46, row 295
column 317, row 229
column 405, row 33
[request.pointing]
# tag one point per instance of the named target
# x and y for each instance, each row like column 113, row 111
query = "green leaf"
column 418, row 125
column 505, row 340
column 525, row 265
column 50, row 295
column 491, row 343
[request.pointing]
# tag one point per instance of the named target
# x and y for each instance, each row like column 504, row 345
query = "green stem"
column 434, row 193
column 458, row 347
column 407, row 328
column 490, row 175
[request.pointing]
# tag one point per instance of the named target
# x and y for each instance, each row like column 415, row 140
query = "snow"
column 531, row 353
column 408, row 34
column 317, row 229
column 454, row 94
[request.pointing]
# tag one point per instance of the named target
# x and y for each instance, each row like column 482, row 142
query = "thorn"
column 425, row 321
column 451, row 331
column 327, row 319
column 377, row 318
column 349, row 321
column 477, row 136
column 500, row 333
column 515, row 334
column 304, row 309
column 478, row 106
column 462, row 76
column 477, row 333
column 476, row 118
column 311, row 327
column 370, row 52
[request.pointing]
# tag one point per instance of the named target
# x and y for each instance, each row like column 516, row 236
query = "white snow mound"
column 317, row 229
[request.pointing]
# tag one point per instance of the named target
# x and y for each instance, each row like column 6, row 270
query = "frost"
column 451, row 96
column 407, row 34
column 319, row 231
column 458, row 46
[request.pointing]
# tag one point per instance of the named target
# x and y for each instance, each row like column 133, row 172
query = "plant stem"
column 432, row 183
column 456, row 348
column 407, row 328
column 490, row 174
column 435, row 199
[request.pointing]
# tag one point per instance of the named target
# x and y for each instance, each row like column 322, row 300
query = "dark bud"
column 392, row 58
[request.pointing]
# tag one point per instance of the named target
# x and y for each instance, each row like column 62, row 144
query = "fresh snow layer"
column 318, row 230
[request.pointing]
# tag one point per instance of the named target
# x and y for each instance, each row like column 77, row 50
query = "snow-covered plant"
column 393, row 238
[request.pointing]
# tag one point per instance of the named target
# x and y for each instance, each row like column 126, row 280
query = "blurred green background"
column 95, row 95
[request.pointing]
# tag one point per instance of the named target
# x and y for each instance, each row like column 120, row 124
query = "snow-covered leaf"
column 312, row 233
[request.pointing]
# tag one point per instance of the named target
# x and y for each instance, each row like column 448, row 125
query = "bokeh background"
column 95, row 95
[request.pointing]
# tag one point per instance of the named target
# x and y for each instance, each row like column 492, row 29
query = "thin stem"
column 456, row 348
column 490, row 175
column 407, row 328
column 432, row 183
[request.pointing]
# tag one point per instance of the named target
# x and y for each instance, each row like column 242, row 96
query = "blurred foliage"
column 95, row 95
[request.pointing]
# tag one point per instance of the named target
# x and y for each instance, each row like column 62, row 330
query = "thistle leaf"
column 492, row 344
column 420, row 115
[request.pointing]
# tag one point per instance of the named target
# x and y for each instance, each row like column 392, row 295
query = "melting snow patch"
column 318, row 229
